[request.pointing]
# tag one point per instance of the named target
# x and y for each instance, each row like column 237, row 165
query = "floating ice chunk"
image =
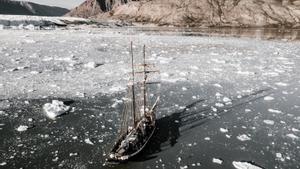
column 179, row 159
column 226, row 100
column 295, row 130
column 207, row 138
column 217, row 69
column 214, row 54
column 217, row 161
column 245, row 73
column 3, row 164
column 269, row 122
column 35, row 72
column 73, row 154
column 274, row 111
column 218, row 61
column 281, row 84
column 243, row 137
column 219, row 104
column 184, row 167
column 165, row 74
column 55, row 109
column 218, row 94
column 22, row 128
column 293, row 136
column 218, row 85
column 279, row 155
column 90, row 65
column 244, row 165
column 30, row 41
column 164, row 60
column 88, row 141
column 116, row 103
column 184, row 88
column 223, row 130
column 214, row 109
column 271, row 74
column 268, row 98
column 195, row 67
column 2, row 112
column 116, row 89
column 80, row 94
column 55, row 159
column 248, row 110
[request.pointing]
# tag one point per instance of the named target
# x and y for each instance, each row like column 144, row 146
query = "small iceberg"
column 22, row 128
column 55, row 109
column 244, row 165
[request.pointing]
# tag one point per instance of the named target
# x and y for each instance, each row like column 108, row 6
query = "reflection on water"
column 260, row 33
column 169, row 128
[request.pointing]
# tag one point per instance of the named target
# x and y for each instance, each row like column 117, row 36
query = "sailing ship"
column 139, row 114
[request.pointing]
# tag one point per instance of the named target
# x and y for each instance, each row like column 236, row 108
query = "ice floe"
column 55, row 109
column 207, row 138
column 223, row 130
column 88, row 141
column 219, row 105
column 293, row 136
column 226, row 100
column 3, row 164
column 22, row 128
column 269, row 122
column 243, row 137
column 275, row 111
column 116, row 89
column 73, row 154
column 268, row 98
column 281, row 84
column 279, row 156
column 217, row 161
column 218, row 85
column 184, row 167
column 90, row 65
column 244, row 165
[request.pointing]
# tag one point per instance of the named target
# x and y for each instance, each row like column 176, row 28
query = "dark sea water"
column 191, row 131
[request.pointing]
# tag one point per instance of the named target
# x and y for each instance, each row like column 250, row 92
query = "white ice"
column 88, row 141
column 269, row 122
column 275, row 111
column 217, row 161
column 243, row 137
column 55, row 109
column 244, row 165
column 22, row 128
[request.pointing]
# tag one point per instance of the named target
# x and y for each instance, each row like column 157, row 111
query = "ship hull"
column 115, row 157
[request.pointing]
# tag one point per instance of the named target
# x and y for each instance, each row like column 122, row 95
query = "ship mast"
column 145, row 78
column 133, row 92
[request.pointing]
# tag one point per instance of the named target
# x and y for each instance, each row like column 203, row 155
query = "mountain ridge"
column 29, row 8
column 199, row 13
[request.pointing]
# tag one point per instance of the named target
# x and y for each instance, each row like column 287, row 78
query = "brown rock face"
column 234, row 13
column 87, row 9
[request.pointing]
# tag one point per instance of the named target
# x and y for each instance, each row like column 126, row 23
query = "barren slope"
column 237, row 13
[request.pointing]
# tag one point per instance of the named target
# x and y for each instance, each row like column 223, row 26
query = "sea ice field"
column 226, row 102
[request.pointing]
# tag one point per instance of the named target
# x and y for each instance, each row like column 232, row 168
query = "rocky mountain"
column 27, row 8
column 206, row 13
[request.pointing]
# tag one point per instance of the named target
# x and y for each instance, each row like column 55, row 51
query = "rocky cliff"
column 28, row 8
column 220, row 13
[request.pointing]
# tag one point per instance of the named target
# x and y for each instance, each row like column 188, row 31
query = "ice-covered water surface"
column 224, row 100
